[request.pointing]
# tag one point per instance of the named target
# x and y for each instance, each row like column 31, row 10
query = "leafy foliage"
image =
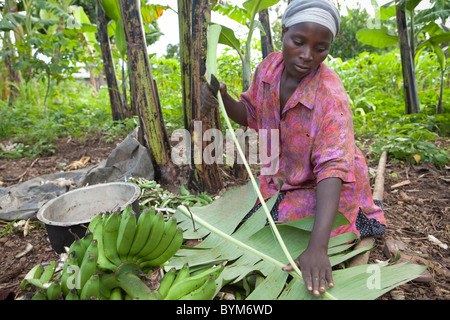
column 373, row 80
column 346, row 46
column 374, row 85
column 73, row 111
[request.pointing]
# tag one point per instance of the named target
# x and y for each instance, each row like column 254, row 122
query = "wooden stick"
column 378, row 189
column 378, row 195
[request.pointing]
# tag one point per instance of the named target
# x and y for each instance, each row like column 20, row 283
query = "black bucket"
column 69, row 214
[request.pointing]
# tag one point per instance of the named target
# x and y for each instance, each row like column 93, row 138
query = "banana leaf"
column 250, row 247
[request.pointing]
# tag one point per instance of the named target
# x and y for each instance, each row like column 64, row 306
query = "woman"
column 321, row 168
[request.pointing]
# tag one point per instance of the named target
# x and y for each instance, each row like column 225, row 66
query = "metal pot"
column 71, row 212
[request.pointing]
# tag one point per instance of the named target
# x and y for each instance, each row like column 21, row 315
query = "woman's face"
column 305, row 46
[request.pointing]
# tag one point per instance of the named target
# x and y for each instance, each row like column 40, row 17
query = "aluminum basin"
column 72, row 211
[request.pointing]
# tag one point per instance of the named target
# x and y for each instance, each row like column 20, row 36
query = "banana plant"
column 149, row 12
column 421, row 21
column 259, row 246
column 247, row 17
column 436, row 37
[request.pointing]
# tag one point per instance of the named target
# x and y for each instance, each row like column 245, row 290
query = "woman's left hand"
column 316, row 270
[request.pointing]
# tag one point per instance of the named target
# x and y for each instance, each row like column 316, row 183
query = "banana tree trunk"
column 184, row 23
column 14, row 75
column 143, row 91
column 266, row 40
column 441, row 93
column 409, row 77
column 108, row 64
column 193, row 18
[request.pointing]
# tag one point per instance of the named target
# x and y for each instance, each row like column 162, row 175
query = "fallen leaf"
column 405, row 197
column 27, row 249
column 400, row 184
column 26, row 228
column 392, row 246
column 79, row 164
column 437, row 241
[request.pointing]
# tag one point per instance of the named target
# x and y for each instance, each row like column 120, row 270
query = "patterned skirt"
column 366, row 227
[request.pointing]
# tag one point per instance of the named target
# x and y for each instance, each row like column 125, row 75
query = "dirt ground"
column 416, row 199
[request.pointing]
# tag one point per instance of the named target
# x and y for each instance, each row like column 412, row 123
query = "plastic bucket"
column 71, row 212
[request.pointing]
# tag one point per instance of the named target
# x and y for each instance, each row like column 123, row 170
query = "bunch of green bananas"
column 41, row 278
column 111, row 241
column 184, row 285
column 111, row 260
column 79, row 272
column 149, row 240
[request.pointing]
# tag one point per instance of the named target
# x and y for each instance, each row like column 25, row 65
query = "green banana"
column 127, row 230
column 110, row 231
column 170, row 228
column 215, row 270
column 72, row 295
column 182, row 274
column 39, row 295
column 166, row 282
column 156, row 233
column 48, row 272
column 133, row 285
column 127, row 211
column 91, row 250
column 97, row 233
column 78, row 249
column 183, row 288
column 87, row 239
column 205, row 292
column 102, row 261
column 116, row 294
column 91, row 288
column 173, row 247
column 93, row 223
column 67, row 272
column 190, row 284
column 142, row 232
column 34, row 273
column 87, row 269
column 53, row 291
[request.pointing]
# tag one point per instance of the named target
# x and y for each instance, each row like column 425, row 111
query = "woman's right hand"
column 208, row 95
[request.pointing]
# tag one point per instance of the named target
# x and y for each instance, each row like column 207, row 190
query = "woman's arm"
column 314, row 262
column 236, row 110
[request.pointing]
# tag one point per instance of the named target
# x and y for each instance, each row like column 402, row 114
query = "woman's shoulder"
column 271, row 62
column 330, row 82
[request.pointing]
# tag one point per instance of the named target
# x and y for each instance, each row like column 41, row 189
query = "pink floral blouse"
column 316, row 141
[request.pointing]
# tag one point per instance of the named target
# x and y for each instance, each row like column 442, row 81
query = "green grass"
column 73, row 110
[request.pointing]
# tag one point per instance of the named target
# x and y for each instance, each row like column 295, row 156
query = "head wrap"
column 323, row 12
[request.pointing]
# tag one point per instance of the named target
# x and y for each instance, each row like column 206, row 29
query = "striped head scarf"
column 323, row 12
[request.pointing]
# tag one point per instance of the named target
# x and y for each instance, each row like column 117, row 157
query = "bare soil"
column 415, row 210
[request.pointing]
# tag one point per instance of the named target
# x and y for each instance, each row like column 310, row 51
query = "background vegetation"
column 52, row 101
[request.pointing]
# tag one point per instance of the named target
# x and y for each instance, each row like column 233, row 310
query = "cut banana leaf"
column 251, row 247
column 365, row 282
column 229, row 213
